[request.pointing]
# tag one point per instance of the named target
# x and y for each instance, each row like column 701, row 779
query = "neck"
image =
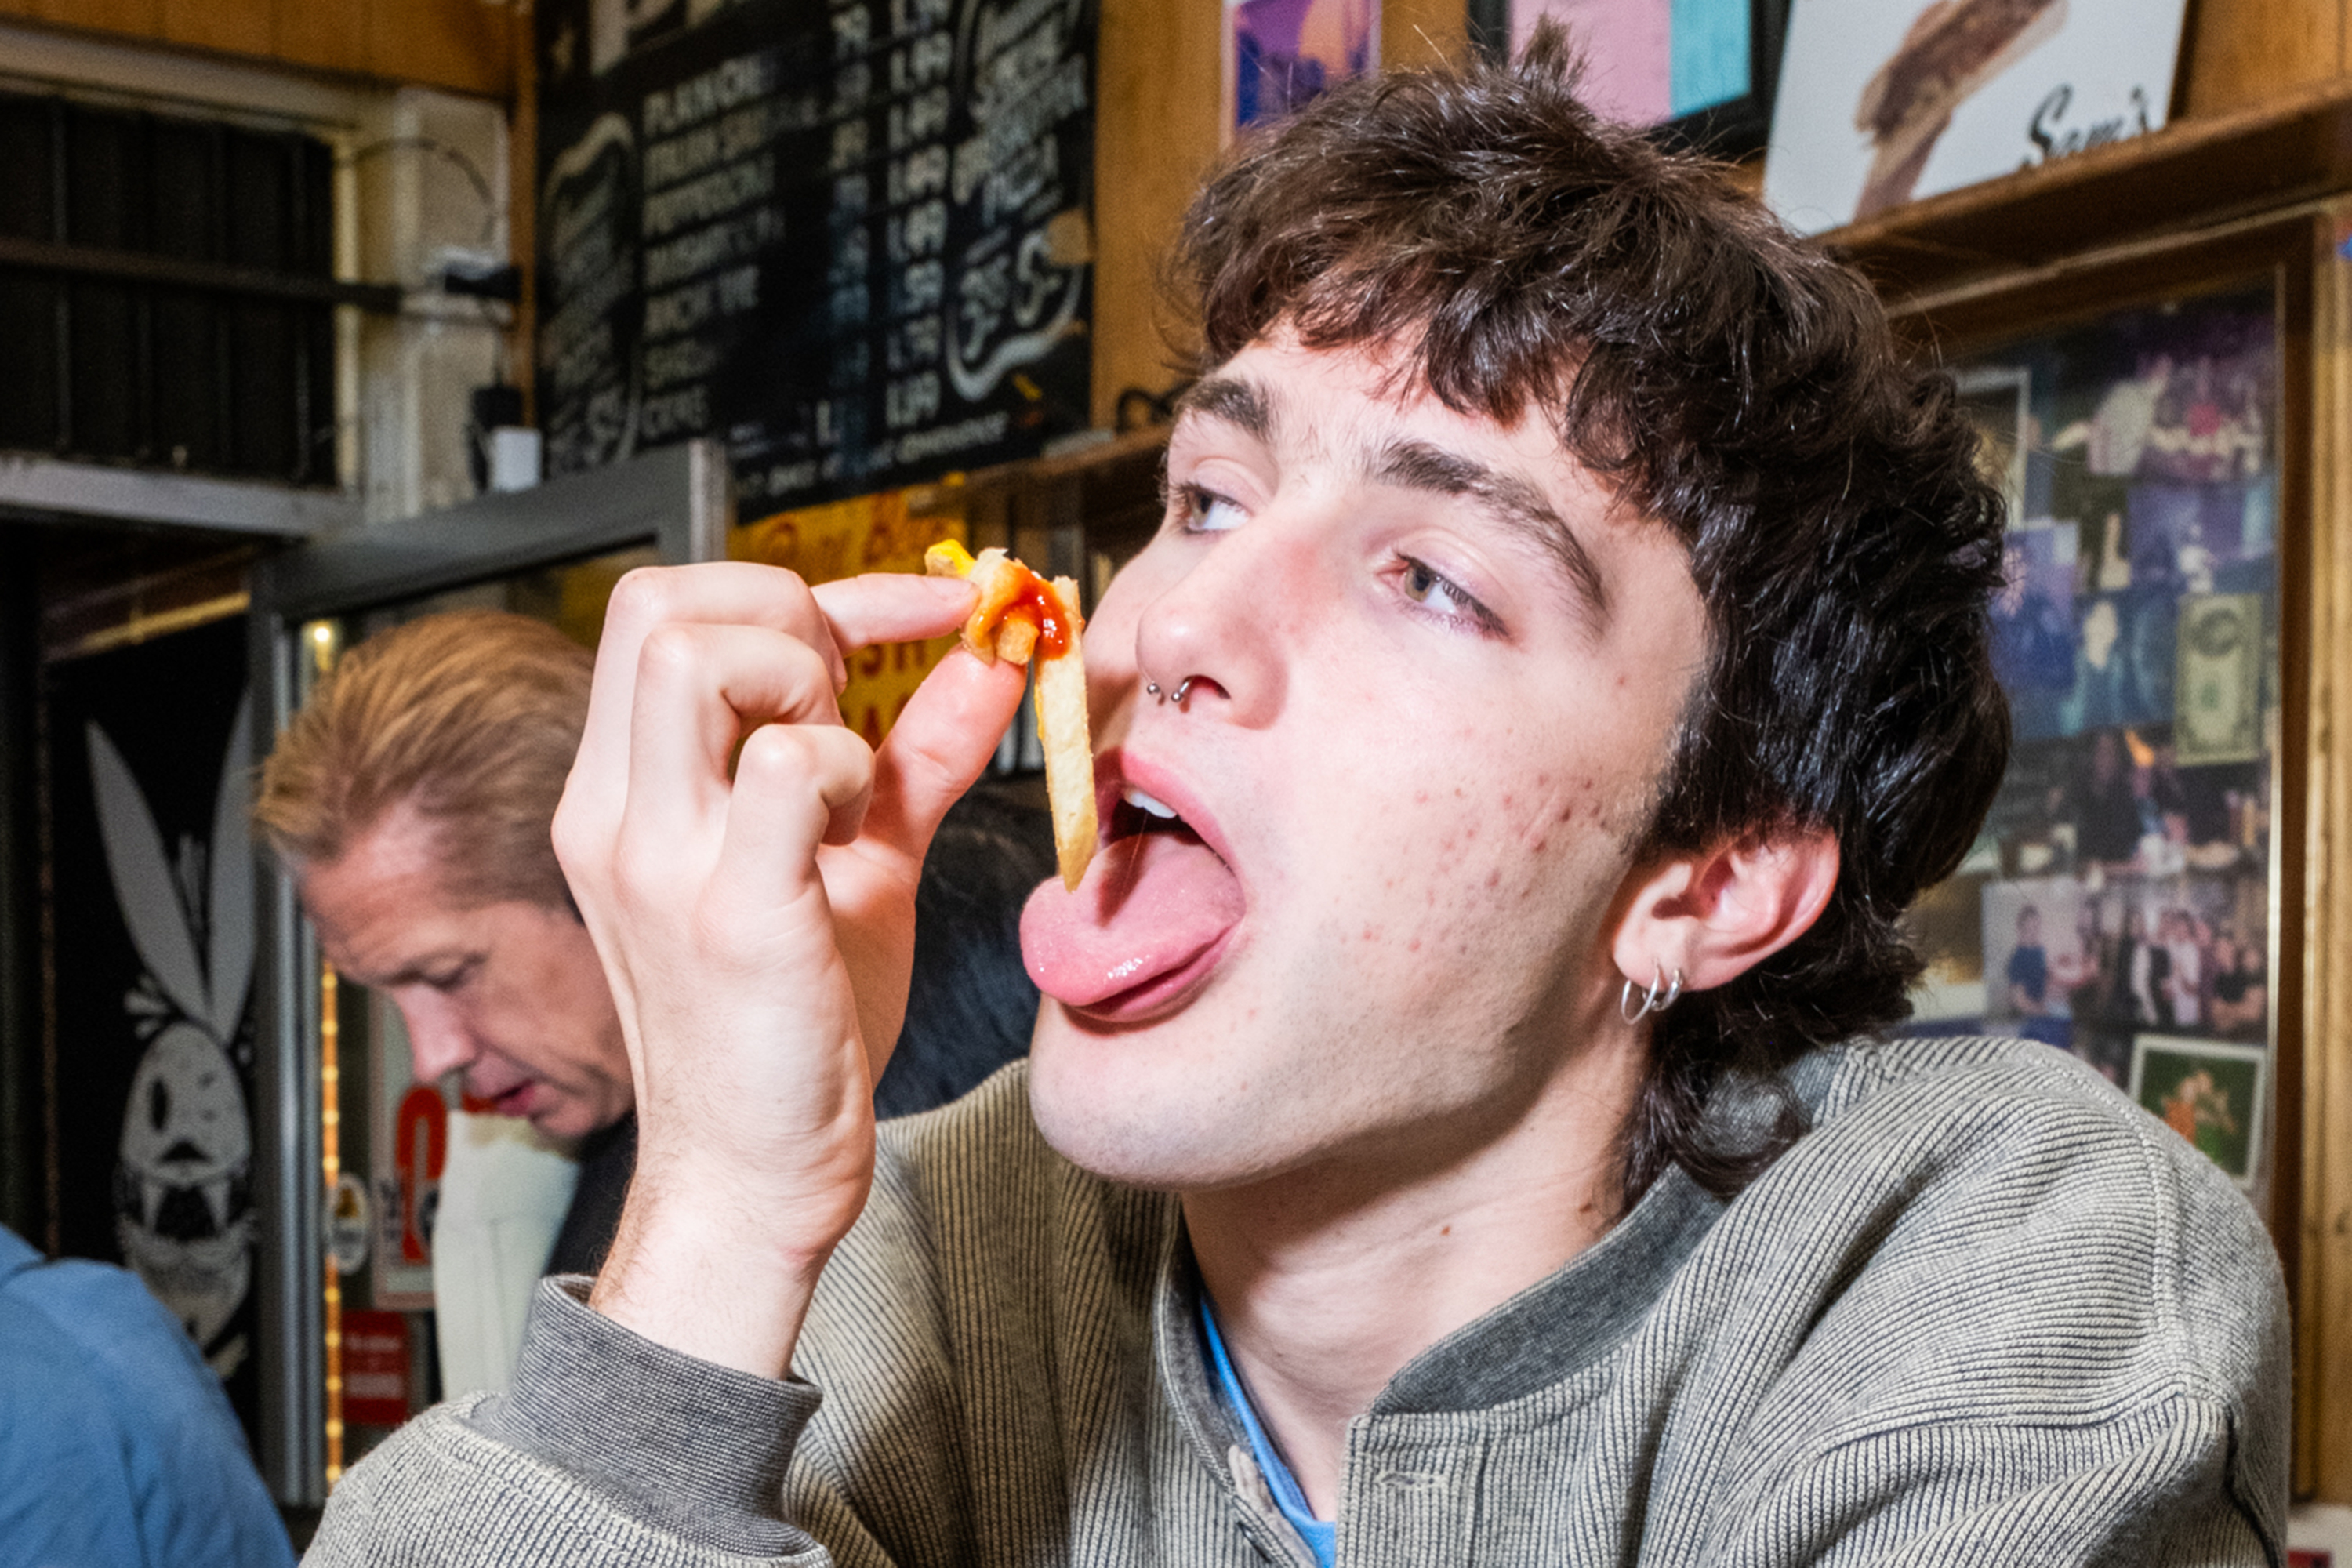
column 1329, row 1279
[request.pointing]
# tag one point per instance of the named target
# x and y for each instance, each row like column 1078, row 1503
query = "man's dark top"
column 607, row 1158
column 2029, row 971
column 970, row 1009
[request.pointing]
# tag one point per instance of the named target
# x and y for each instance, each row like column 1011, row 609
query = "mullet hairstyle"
column 472, row 720
column 1737, row 386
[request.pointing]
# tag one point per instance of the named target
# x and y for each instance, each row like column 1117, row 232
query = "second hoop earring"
column 1662, row 994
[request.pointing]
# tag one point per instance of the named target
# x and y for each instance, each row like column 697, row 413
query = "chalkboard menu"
column 852, row 240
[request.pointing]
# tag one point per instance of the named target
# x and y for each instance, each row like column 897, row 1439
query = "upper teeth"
column 1137, row 798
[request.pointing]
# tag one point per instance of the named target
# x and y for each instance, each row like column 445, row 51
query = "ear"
column 1717, row 914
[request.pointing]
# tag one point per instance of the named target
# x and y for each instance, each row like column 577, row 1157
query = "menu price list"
column 853, row 241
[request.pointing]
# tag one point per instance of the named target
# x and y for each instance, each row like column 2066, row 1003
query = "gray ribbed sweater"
column 1986, row 1312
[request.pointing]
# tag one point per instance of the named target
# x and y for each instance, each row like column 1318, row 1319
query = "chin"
column 1158, row 1121
column 565, row 1121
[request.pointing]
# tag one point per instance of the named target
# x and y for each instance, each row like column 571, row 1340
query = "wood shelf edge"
column 1128, row 447
column 2189, row 173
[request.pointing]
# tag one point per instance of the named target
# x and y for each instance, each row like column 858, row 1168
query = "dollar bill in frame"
column 2217, row 704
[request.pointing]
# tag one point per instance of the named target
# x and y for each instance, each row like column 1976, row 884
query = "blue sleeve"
column 180, row 1478
column 66, row 1493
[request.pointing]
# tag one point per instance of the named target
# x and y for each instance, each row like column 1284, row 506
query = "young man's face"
column 1435, row 675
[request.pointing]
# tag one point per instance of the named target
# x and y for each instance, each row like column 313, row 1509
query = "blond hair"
column 471, row 719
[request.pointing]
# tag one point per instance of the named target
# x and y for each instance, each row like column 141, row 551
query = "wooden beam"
column 2323, row 1305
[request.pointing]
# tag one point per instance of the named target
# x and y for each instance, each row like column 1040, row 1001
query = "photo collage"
column 2116, row 904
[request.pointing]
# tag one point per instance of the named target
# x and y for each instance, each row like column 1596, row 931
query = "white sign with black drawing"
column 1885, row 100
column 183, row 1213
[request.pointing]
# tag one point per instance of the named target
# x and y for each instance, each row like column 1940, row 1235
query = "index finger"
column 892, row 606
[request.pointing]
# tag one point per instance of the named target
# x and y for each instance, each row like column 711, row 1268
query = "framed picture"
column 2209, row 1091
column 1885, row 100
column 1280, row 54
column 1702, row 72
column 2136, row 895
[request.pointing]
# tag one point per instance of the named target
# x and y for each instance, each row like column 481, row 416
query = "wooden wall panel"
column 2239, row 53
column 1423, row 32
column 328, row 34
column 462, row 44
column 140, row 18
column 233, row 26
column 458, row 44
column 1158, row 85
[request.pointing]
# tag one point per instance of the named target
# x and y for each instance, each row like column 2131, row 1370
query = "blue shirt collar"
column 1321, row 1535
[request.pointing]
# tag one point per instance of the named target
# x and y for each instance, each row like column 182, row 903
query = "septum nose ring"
column 1183, row 689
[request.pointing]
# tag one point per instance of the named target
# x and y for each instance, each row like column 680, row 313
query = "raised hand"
column 747, row 866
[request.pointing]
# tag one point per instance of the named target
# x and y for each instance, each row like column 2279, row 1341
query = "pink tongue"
column 1148, row 903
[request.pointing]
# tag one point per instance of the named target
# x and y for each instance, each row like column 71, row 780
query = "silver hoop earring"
column 1654, row 1000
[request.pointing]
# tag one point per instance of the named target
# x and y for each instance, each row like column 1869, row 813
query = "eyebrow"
column 415, row 971
column 1511, row 501
column 1236, row 402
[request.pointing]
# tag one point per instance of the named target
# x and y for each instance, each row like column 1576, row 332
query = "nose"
column 439, row 1043
column 1214, row 628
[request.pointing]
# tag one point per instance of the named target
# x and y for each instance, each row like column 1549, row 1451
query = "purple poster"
column 1281, row 53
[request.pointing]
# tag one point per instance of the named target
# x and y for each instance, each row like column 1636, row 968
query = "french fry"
column 991, row 633
column 1016, row 639
column 1069, row 747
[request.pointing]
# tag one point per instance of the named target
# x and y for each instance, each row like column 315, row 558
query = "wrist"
column 710, row 1280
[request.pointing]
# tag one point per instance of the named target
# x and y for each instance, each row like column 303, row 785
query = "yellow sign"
column 841, row 539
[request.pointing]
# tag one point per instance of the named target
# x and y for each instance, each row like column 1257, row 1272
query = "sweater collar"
column 1546, row 1333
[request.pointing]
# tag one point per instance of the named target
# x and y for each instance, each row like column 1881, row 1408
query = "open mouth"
column 1129, row 811
column 515, row 1101
column 1150, row 923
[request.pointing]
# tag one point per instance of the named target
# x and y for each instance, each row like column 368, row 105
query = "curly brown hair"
column 1743, row 388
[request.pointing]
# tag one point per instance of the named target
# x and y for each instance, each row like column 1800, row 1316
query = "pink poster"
column 1628, row 49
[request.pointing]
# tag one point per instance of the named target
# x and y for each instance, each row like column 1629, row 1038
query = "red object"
column 1042, row 607
column 420, row 1137
column 2308, row 1557
column 375, row 1368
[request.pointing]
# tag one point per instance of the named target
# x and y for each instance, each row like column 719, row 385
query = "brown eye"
column 1430, row 589
column 1206, row 511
